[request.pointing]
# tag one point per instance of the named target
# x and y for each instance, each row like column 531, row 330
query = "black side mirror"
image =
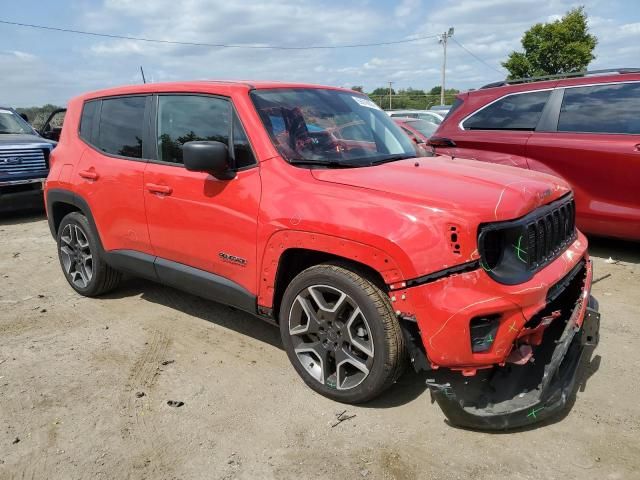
column 24, row 117
column 210, row 157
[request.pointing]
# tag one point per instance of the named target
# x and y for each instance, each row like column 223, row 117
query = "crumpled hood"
column 486, row 191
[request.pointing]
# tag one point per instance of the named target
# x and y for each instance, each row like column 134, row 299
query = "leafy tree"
column 561, row 46
column 38, row 115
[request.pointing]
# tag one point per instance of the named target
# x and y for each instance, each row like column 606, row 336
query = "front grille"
column 512, row 251
column 17, row 161
column 550, row 233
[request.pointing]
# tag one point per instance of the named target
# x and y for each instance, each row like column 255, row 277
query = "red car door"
column 596, row 148
column 110, row 173
column 194, row 219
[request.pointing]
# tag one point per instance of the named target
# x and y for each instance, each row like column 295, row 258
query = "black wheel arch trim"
column 58, row 195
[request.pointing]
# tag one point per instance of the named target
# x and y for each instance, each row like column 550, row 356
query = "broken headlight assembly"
column 513, row 251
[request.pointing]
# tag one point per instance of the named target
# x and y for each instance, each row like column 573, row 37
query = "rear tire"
column 341, row 334
column 81, row 259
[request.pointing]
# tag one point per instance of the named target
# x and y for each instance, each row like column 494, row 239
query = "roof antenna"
column 144, row 80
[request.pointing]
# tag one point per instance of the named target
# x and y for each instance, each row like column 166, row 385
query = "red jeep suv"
column 584, row 128
column 305, row 206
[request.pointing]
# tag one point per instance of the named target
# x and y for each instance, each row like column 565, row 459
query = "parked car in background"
column 441, row 109
column 306, row 206
column 419, row 132
column 582, row 127
column 433, row 117
column 24, row 162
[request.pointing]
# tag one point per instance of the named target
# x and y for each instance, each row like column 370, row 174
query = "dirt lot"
column 71, row 370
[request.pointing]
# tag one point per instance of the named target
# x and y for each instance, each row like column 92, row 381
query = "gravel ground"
column 84, row 386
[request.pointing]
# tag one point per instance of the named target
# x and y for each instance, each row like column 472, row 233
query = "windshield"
column 11, row 122
column 425, row 127
column 330, row 127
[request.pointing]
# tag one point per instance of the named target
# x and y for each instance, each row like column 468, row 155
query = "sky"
column 38, row 67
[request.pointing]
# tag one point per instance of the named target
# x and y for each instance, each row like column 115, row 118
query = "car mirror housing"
column 210, row 157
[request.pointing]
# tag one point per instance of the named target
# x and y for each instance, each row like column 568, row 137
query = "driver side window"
column 186, row 118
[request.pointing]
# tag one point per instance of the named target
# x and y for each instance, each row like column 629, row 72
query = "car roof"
column 588, row 78
column 201, row 85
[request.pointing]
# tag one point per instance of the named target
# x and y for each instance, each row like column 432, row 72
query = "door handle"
column 637, row 147
column 89, row 174
column 162, row 189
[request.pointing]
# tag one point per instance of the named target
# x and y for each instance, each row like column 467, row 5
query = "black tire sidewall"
column 81, row 221
column 378, row 374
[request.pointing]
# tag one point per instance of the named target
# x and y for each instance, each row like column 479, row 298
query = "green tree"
column 561, row 46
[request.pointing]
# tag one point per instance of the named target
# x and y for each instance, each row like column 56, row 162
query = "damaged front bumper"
column 524, row 368
column 498, row 400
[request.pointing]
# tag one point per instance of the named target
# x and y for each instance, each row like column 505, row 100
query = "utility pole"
column 443, row 40
column 390, row 83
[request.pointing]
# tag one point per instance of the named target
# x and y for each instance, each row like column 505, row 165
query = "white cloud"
column 69, row 65
column 407, row 7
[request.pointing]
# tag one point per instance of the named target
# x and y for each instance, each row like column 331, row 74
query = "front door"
column 195, row 220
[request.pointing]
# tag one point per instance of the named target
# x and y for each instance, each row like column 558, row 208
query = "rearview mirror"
column 209, row 157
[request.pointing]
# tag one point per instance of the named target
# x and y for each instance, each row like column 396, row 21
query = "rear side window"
column 186, row 118
column 520, row 111
column 121, row 124
column 89, row 112
column 601, row 109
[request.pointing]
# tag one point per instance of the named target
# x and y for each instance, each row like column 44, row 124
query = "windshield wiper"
column 327, row 163
column 392, row 158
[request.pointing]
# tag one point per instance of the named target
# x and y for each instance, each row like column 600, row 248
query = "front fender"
column 283, row 240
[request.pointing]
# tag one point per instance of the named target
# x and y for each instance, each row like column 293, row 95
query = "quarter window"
column 241, row 146
column 601, row 109
column 186, row 118
column 86, row 121
column 514, row 112
column 121, row 124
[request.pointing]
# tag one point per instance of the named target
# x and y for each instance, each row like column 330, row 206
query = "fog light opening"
column 483, row 332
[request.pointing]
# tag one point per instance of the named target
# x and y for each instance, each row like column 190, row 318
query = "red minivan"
column 582, row 127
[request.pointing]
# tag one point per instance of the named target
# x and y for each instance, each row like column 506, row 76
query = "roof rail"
column 583, row 73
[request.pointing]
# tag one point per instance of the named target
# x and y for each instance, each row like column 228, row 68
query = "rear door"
column 594, row 144
column 499, row 131
column 110, row 173
column 196, row 220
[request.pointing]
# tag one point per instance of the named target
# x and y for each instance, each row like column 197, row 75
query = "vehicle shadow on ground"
column 589, row 365
column 408, row 387
column 210, row 311
column 625, row 251
column 22, row 216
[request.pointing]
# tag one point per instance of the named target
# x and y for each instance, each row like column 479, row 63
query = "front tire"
column 341, row 334
column 81, row 259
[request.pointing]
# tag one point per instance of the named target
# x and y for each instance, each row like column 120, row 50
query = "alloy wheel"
column 76, row 256
column 331, row 337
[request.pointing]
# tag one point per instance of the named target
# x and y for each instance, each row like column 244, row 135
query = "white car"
column 430, row 116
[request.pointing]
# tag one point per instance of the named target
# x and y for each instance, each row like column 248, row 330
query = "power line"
column 217, row 45
column 476, row 57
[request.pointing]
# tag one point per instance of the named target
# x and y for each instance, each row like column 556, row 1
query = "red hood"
column 487, row 191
